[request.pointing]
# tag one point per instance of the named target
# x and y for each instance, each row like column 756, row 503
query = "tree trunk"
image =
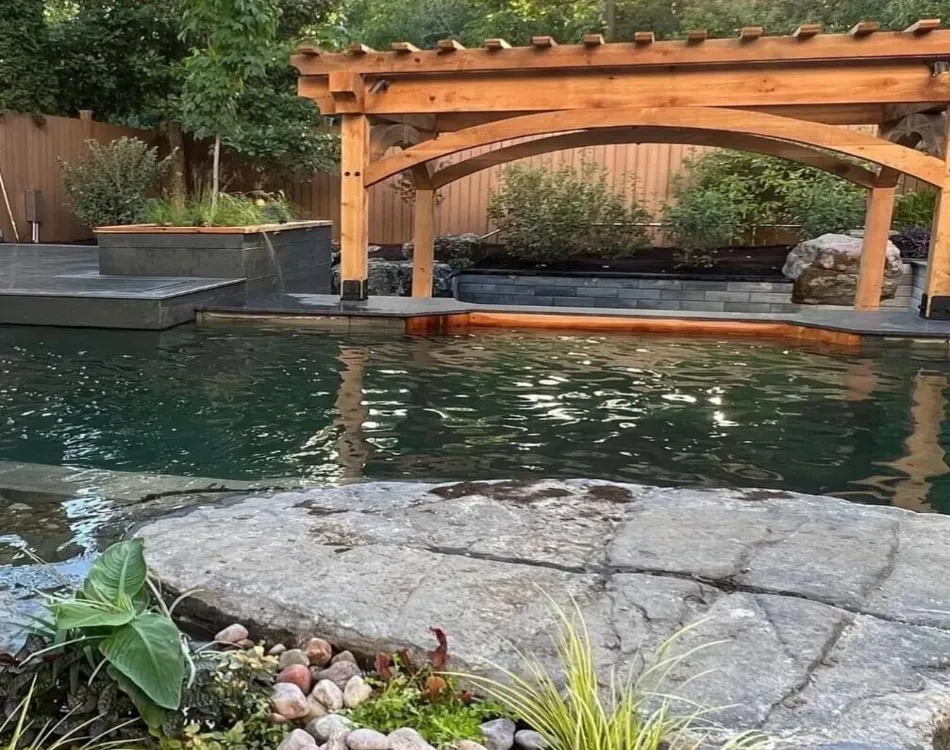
column 216, row 174
column 610, row 19
column 177, row 187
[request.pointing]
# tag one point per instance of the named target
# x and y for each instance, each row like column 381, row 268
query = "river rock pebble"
column 407, row 739
column 356, row 692
column 339, row 673
column 296, row 674
column 292, row 656
column 367, row 739
column 343, row 656
column 528, row 739
column 297, row 740
column 289, row 701
column 499, row 734
column 232, row 634
column 468, row 745
column 329, row 694
column 275, row 718
column 321, row 729
column 337, row 739
column 277, row 649
column 317, row 711
column 319, row 652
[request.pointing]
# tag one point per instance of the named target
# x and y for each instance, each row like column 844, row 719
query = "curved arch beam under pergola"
column 826, row 162
column 716, row 119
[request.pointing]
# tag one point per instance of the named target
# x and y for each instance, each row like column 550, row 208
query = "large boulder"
column 393, row 278
column 825, row 270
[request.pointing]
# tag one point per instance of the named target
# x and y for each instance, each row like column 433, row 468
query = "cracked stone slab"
column 796, row 613
column 882, row 684
column 917, row 588
column 778, row 542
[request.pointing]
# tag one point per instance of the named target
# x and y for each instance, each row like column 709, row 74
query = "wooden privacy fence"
column 30, row 148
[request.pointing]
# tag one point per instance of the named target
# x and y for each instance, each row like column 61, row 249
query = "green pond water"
column 243, row 403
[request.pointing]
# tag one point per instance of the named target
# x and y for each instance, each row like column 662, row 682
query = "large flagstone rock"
column 808, row 617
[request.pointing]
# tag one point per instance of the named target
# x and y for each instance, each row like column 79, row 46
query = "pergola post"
column 936, row 300
column 877, row 226
column 354, row 207
column 423, row 241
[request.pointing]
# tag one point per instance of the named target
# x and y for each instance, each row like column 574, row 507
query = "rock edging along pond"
column 818, row 618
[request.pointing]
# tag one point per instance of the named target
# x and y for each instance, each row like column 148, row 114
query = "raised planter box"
column 291, row 257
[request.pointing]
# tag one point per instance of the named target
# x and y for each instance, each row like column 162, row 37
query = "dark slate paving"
column 60, row 285
column 882, row 323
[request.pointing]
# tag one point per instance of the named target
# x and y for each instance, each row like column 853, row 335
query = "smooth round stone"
column 499, row 734
column 343, row 656
column 319, row 652
column 277, row 649
column 528, row 739
column 296, row 674
column 292, row 656
column 356, row 692
column 232, row 634
column 321, row 729
column 328, row 694
column 297, row 740
column 317, row 711
column 339, row 673
column 407, row 739
column 468, row 745
column 289, row 701
column 367, row 739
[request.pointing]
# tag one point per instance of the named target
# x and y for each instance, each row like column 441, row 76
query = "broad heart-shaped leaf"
column 152, row 714
column 148, row 652
column 89, row 614
column 119, row 573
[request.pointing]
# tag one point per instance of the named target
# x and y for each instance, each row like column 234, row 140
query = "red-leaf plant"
column 431, row 685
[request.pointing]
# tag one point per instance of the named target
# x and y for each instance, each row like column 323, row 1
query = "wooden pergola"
column 785, row 96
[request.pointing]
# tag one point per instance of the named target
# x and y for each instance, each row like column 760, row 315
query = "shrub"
column 555, row 215
column 766, row 191
column 700, row 221
column 915, row 209
column 230, row 210
column 111, row 183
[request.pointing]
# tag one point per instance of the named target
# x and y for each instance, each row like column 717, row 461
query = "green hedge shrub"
column 550, row 215
column 915, row 209
column 110, row 185
column 760, row 191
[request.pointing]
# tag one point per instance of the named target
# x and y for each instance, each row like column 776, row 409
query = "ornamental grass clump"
column 579, row 712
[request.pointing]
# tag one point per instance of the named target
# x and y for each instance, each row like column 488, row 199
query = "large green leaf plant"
column 119, row 620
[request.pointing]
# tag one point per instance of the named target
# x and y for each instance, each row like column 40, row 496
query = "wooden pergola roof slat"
column 807, row 31
column 449, row 45
column 805, row 46
column 404, row 47
column 355, row 48
column 643, row 37
column 593, row 40
column 864, row 28
column 750, row 33
column 696, row 36
column 923, row 26
column 543, row 42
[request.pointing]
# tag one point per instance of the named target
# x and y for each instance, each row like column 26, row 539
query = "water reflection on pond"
column 248, row 403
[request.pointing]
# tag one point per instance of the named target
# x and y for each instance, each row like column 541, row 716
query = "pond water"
column 242, row 403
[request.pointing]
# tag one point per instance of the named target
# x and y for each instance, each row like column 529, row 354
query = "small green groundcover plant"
column 424, row 698
column 229, row 210
column 110, row 185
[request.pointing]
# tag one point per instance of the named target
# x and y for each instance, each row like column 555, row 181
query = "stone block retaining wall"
column 646, row 293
